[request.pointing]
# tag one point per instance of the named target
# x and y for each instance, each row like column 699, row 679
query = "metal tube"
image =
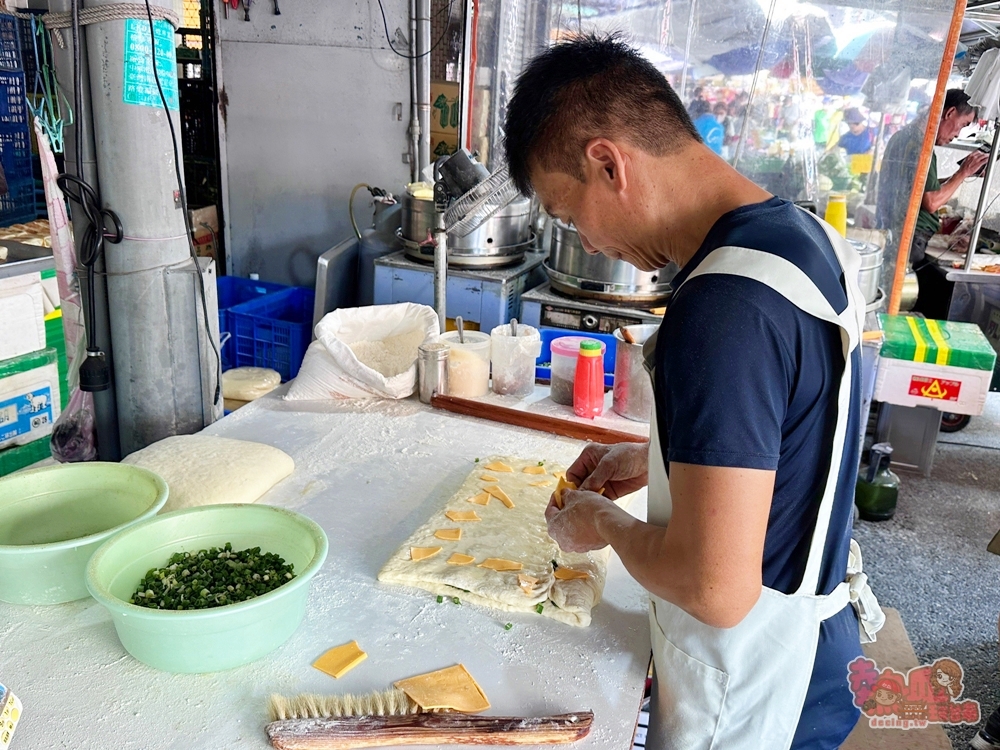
column 152, row 301
column 105, row 407
column 414, row 130
column 983, row 195
column 424, row 81
column 465, row 81
column 440, row 253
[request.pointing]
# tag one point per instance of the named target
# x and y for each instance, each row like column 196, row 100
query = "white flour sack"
column 365, row 352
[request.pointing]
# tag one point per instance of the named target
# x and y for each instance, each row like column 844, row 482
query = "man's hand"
column 620, row 469
column 972, row 163
column 573, row 528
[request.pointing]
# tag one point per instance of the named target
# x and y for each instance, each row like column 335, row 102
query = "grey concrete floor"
column 930, row 560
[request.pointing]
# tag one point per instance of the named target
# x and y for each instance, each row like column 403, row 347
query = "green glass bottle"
column 877, row 489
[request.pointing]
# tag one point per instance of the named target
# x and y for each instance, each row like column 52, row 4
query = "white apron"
column 743, row 688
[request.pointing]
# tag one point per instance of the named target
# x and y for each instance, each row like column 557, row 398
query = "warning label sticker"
column 936, row 388
column 140, row 84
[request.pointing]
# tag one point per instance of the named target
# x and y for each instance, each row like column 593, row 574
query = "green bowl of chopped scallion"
column 209, row 626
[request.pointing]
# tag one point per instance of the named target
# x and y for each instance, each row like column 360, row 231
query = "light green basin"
column 52, row 519
column 207, row 640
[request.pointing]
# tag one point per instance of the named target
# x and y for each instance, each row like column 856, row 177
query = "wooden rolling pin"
column 540, row 422
column 427, row 729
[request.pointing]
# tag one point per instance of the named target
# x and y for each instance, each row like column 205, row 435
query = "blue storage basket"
column 543, row 369
column 232, row 291
column 10, row 44
column 13, row 103
column 273, row 331
column 18, row 205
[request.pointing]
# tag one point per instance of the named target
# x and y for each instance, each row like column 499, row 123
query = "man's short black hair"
column 959, row 100
column 586, row 88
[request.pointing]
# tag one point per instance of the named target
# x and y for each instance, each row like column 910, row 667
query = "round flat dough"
column 249, row 383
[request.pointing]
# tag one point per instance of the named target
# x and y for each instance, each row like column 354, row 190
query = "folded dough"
column 209, row 470
column 517, row 534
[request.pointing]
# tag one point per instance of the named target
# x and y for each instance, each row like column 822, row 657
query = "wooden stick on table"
column 427, row 729
column 540, row 422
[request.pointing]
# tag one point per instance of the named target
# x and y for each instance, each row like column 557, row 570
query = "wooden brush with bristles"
column 346, row 722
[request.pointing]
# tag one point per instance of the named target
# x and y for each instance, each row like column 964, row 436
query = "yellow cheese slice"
column 568, row 574
column 541, row 483
column 565, row 484
column 500, row 495
column 483, row 498
column 459, row 559
column 559, row 474
column 340, row 660
column 489, row 478
column 527, row 583
column 497, row 466
column 449, row 535
column 451, row 689
column 462, row 515
column 533, row 469
column 422, row 553
column 499, row 564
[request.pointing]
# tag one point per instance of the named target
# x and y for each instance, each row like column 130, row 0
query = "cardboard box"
column 30, row 397
column 443, row 144
column 22, row 315
column 446, row 107
column 204, row 219
column 941, row 364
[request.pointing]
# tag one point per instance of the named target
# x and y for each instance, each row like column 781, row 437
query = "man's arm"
column 708, row 561
column 934, row 199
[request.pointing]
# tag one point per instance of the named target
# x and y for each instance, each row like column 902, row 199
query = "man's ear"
column 604, row 160
column 950, row 112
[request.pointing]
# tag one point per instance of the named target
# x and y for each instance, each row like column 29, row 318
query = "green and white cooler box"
column 29, row 397
column 945, row 365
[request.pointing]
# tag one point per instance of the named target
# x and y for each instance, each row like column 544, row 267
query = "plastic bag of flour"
column 365, row 352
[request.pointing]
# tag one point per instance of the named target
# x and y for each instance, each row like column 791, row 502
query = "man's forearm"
column 934, row 199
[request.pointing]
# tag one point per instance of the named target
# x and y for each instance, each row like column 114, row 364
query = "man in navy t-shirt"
column 746, row 386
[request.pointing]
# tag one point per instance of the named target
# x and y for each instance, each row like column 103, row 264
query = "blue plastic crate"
column 15, row 152
column 13, row 103
column 232, row 291
column 10, row 44
column 273, row 331
column 18, row 205
column 543, row 369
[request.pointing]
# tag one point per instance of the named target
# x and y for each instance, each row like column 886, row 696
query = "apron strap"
column 792, row 283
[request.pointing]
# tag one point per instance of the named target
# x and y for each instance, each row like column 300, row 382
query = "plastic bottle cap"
column 590, row 349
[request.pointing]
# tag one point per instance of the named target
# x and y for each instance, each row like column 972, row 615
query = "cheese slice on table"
column 499, row 564
column 451, row 689
column 449, row 535
column 340, row 660
column 423, row 553
column 541, row 483
column 498, row 466
column 483, row 498
column 489, row 478
column 533, row 470
column 500, row 495
column 463, row 515
column 527, row 583
column 568, row 574
column 459, row 559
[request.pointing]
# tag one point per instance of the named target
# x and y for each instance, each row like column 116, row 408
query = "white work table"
column 369, row 473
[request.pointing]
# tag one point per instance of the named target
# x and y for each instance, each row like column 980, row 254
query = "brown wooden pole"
column 926, row 151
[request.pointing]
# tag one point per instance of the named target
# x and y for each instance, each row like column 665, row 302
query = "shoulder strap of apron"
column 794, row 285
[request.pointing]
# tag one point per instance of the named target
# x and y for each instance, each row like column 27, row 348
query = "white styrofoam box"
column 22, row 315
column 29, row 405
column 960, row 390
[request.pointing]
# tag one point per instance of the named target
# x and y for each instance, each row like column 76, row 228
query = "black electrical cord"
column 184, row 206
column 422, row 54
column 94, row 371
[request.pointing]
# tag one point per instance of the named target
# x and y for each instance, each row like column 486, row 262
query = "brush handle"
column 427, row 729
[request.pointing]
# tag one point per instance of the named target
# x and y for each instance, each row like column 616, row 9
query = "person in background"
column 899, row 167
column 708, row 125
column 859, row 138
column 697, row 99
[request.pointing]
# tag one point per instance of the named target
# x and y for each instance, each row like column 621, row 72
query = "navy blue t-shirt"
column 746, row 379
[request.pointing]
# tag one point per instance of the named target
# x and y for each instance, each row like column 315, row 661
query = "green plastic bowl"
column 52, row 519
column 207, row 640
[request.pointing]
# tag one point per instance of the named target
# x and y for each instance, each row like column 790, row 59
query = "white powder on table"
column 390, row 356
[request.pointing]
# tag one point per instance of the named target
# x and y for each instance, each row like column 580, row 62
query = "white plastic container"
column 468, row 364
column 514, row 359
column 565, row 351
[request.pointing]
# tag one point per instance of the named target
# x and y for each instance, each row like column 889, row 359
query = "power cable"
column 422, row 54
column 184, row 206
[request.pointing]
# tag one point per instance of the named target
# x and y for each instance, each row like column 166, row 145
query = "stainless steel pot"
column 633, row 392
column 503, row 239
column 870, row 273
column 574, row 271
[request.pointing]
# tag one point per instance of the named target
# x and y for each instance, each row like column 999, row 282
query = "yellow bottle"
column 836, row 212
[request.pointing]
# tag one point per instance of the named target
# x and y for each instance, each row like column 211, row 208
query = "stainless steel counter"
column 369, row 473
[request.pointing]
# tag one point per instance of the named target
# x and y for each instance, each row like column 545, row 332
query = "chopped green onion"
column 539, row 607
column 541, row 463
column 508, row 626
column 456, row 600
column 440, row 599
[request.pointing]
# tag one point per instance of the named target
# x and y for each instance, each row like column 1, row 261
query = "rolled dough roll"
column 249, row 383
column 209, row 470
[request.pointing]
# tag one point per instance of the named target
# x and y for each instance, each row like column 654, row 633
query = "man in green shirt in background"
column 899, row 167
